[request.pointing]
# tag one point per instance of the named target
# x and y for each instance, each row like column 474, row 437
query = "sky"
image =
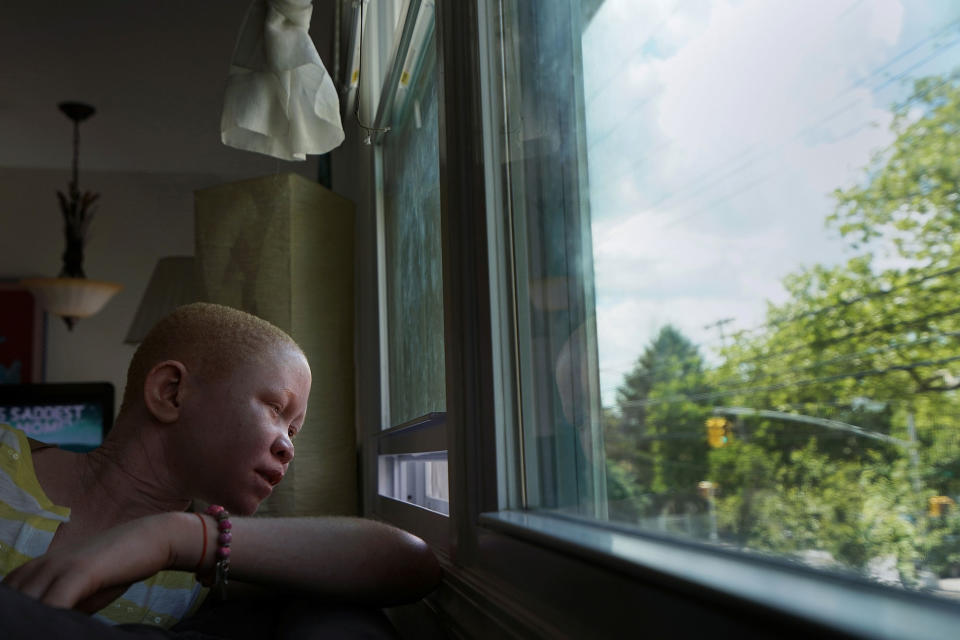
column 717, row 131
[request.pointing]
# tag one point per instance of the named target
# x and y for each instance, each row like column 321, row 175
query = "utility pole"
column 718, row 325
column 914, row 455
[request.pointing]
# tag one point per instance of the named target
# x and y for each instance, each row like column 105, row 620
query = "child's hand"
column 89, row 575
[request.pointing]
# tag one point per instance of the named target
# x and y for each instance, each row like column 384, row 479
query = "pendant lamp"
column 71, row 295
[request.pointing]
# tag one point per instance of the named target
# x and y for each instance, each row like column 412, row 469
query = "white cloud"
column 644, row 286
column 761, row 75
column 713, row 153
column 634, row 256
column 884, row 23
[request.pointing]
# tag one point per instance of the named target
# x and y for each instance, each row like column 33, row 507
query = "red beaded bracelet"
column 224, row 537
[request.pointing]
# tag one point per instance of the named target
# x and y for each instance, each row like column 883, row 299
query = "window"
column 412, row 255
column 672, row 393
column 410, row 469
column 730, row 236
column 735, row 262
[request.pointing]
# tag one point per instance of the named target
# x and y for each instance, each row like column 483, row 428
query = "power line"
column 617, row 125
column 845, row 357
column 712, row 395
column 647, row 157
column 618, row 69
column 863, row 373
column 684, row 193
column 718, row 325
column 645, row 41
column 856, row 334
column 866, row 352
column 730, row 196
column 920, row 96
column 947, row 27
column 933, row 55
column 846, row 303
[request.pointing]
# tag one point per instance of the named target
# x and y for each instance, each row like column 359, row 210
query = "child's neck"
column 119, row 481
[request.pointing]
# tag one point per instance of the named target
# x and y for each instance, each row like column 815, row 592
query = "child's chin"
column 245, row 507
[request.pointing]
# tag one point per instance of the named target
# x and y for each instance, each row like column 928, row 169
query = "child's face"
column 245, row 429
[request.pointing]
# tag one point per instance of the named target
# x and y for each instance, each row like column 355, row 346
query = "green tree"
column 910, row 195
column 868, row 348
column 659, row 442
column 866, row 344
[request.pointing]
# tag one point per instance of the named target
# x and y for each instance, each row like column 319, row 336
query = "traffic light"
column 719, row 432
column 939, row 505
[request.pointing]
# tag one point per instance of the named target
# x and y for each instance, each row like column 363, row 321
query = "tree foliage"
column 910, row 195
column 871, row 347
column 659, row 442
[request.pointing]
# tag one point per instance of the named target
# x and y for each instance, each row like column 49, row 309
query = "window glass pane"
column 736, row 230
column 413, row 273
column 556, row 327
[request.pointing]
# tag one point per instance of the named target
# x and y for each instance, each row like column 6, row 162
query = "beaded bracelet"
column 224, row 537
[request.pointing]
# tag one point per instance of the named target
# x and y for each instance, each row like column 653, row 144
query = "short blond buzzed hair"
column 209, row 339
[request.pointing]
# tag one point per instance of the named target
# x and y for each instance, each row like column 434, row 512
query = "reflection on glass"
column 773, row 193
column 773, row 205
column 414, row 278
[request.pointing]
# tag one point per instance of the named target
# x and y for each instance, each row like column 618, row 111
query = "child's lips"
column 272, row 476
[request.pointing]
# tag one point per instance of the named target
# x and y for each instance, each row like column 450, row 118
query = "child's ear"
column 163, row 389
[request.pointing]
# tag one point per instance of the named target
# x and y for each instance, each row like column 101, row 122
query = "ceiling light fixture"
column 71, row 295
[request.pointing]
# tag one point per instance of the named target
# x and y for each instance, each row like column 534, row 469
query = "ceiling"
column 154, row 69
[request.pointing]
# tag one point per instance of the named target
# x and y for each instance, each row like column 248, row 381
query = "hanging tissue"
column 279, row 100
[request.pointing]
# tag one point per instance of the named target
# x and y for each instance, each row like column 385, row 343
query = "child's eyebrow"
column 288, row 394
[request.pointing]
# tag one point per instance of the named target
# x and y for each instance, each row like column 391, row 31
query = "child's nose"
column 283, row 449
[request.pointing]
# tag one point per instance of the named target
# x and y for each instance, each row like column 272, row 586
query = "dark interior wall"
column 155, row 71
column 141, row 217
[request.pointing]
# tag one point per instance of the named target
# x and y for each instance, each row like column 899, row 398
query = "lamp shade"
column 171, row 285
column 71, row 297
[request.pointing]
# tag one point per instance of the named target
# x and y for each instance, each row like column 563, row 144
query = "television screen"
column 75, row 415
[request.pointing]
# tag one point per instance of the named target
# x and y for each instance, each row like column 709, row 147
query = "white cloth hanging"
column 279, row 100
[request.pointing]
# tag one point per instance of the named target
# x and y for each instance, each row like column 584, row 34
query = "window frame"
column 507, row 571
column 391, row 22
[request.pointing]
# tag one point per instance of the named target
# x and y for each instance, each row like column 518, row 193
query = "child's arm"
column 345, row 559
column 352, row 559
